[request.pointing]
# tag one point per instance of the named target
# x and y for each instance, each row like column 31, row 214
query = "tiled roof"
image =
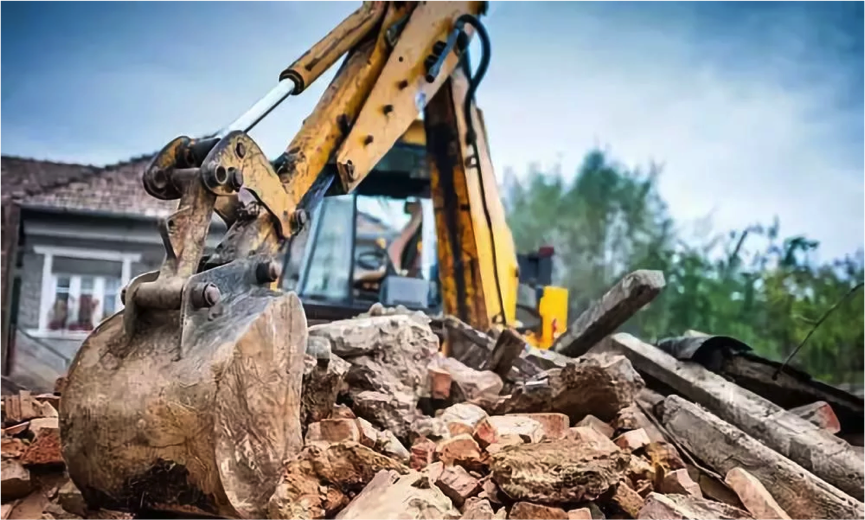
column 22, row 177
column 113, row 189
column 116, row 189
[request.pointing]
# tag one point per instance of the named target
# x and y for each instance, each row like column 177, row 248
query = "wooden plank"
column 816, row 450
column 792, row 388
column 604, row 316
column 506, row 351
column 724, row 447
column 467, row 344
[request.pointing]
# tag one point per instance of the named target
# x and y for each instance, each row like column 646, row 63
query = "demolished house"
column 405, row 416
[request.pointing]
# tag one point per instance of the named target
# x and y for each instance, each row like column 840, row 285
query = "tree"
column 608, row 220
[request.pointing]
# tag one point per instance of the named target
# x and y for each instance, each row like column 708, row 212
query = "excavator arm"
column 192, row 391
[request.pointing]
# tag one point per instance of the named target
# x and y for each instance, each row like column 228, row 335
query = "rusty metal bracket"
column 237, row 162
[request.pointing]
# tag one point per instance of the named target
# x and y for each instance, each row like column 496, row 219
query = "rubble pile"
column 394, row 428
column 34, row 482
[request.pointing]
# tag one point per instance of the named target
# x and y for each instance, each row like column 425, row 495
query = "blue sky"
column 754, row 109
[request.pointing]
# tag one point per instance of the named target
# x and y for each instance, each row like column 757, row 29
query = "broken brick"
column 388, row 444
column 632, row 440
column 368, row 433
column 440, row 383
column 504, row 441
column 529, row 511
column 819, row 413
column 627, row 500
column 490, row 429
column 422, row 453
column 680, row 482
column 591, row 437
column 461, row 449
column 457, row 484
column 45, row 449
column 603, row 428
column 467, row 413
column 554, row 425
column 12, row 448
column 664, row 455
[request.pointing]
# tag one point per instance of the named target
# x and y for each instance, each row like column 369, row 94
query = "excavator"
column 187, row 399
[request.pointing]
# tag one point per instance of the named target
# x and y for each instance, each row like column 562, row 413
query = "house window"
column 80, row 288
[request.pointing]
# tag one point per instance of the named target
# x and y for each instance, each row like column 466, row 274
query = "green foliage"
column 609, row 220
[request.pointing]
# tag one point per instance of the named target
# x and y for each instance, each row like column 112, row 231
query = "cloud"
column 734, row 140
column 754, row 109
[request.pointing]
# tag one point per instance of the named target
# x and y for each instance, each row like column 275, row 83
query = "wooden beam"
column 507, row 350
column 816, row 450
column 724, row 447
column 604, row 316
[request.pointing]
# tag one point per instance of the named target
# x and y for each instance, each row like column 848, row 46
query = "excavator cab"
column 376, row 244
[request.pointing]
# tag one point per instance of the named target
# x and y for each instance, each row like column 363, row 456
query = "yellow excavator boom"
column 191, row 392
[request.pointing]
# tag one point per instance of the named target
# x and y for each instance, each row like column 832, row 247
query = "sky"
column 755, row 110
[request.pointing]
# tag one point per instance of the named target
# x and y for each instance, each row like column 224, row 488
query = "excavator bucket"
column 188, row 400
column 191, row 414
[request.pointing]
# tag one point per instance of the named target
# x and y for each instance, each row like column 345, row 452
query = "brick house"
column 72, row 237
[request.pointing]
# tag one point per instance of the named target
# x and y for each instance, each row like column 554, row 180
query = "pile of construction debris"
column 394, row 428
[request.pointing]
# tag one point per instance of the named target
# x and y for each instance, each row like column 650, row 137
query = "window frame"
column 49, row 283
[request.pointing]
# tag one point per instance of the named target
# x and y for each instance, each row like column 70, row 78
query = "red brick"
column 680, row 482
column 490, row 429
column 422, row 453
column 633, row 440
column 45, row 449
column 821, row 414
column 529, row 511
column 555, row 425
column 339, row 430
column 592, row 437
column 590, row 421
column 461, row 449
column 440, row 383
column 457, row 484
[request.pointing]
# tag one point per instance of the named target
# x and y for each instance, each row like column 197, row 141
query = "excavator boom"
column 192, row 391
